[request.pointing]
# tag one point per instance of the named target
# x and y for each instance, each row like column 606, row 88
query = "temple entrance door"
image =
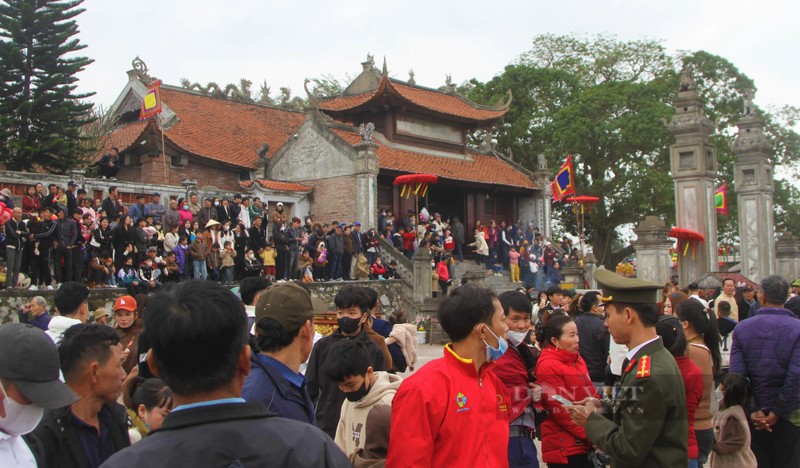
column 447, row 200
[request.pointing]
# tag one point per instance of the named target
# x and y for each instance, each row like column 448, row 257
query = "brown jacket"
column 732, row 446
column 198, row 250
column 700, row 355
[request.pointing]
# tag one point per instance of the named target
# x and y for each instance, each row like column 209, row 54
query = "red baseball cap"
column 125, row 303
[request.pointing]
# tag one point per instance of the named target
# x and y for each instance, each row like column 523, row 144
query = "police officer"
column 647, row 423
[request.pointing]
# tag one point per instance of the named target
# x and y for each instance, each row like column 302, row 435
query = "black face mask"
column 349, row 325
column 358, row 394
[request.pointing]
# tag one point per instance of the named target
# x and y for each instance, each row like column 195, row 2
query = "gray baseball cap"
column 29, row 358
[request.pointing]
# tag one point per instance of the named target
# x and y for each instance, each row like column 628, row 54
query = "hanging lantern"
column 415, row 184
column 686, row 239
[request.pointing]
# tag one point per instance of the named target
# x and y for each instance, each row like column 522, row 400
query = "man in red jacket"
column 454, row 410
column 515, row 370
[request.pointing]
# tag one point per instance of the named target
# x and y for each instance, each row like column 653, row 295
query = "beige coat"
column 732, row 446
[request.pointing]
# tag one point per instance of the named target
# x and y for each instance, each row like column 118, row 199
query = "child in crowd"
column 304, row 264
column 731, row 431
column 449, row 244
column 227, row 254
column 350, row 367
column 149, row 274
column 214, row 262
column 129, row 278
column 252, row 267
column 172, row 270
column 148, row 402
column 378, row 269
column 268, row 255
column 181, row 255
column 513, row 261
column 443, row 271
column 321, row 262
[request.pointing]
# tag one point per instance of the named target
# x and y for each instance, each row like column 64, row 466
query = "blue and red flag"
column 564, row 183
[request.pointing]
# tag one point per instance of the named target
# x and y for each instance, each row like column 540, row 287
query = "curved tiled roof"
column 227, row 131
column 437, row 101
column 207, row 126
column 481, row 168
column 276, row 185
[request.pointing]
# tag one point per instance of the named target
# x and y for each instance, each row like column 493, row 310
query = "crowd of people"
column 619, row 376
column 65, row 235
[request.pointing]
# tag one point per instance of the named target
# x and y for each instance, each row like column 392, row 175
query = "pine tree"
column 41, row 115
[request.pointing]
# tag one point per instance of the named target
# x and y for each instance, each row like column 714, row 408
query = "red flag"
column 564, row 183
column 151, row 103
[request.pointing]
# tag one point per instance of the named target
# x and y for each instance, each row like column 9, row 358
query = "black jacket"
column 231, row 434
column 12, row 238
column 60, row 445
column 594, row 344
column 324, row 392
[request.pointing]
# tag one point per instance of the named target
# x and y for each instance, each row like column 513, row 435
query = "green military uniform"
column 650, row 426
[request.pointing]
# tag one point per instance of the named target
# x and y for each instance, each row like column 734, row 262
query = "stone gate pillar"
column 367, row 183
column 652, row 250
column 788, row 256
column 693, row 162
column 754, row 181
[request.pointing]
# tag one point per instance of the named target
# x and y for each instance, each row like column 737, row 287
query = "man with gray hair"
column 35, row 313
column 766, row 349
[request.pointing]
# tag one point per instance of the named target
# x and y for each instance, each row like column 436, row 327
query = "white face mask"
column 516, row 337
column 20, row 419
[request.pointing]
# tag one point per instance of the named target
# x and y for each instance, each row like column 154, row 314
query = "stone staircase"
column 498, row 284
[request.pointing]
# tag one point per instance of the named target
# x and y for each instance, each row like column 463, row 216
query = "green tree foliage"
column 41, row 114
column 606, row 102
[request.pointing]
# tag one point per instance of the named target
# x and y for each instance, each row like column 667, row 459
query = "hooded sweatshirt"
column 351, row 431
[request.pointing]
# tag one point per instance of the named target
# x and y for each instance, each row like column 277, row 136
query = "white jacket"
column 351, row 432
column 58, row 325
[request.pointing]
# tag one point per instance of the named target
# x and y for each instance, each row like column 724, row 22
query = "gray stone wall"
column 391, row 294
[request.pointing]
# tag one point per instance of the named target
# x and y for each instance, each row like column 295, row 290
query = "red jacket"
column 442, row 271
column 510, row 369
column 693, row 383
column 408, row 239
column 446, row 414
column 378, row 269
column 562, row 373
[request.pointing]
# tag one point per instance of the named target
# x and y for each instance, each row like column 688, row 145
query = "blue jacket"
column 267, row 384
column 766, row 348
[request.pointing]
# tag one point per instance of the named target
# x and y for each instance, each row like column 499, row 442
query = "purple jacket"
column 766, row 348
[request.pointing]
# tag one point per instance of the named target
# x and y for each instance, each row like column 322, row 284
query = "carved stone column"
column 422, row 277
column 367, row 183
column 652, row 250
column 754, row 182
column 590, row 266
column 541, row 200
column 788, row 256
column 694, row 168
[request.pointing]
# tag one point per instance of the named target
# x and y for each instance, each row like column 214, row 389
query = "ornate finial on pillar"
column 385, row 71
column 687, row 80
column 411, row 79
column 366, row 131
column 749, row 108
column 369, row 64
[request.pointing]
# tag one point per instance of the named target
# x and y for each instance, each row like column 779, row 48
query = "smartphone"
column 562, row 400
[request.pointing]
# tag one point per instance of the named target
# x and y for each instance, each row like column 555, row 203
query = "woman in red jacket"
column 563, row 375
column 670, row 329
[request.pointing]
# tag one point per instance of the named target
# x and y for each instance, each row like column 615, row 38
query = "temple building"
column 335, row 160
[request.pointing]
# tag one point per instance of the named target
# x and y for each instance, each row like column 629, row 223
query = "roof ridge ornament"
column 313, row 99
column 141, row 70
column 411, row 79
column 385, row 71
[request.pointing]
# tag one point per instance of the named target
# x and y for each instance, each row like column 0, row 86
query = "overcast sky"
column 285, row 42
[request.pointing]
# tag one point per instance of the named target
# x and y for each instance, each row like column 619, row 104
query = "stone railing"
column 389, row 252
column 392, row 294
